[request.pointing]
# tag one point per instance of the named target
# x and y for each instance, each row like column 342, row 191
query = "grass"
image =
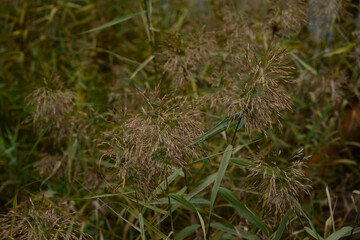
column 179, row 119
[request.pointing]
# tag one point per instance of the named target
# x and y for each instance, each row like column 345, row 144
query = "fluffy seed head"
column 276, row 186
column 151, row 142
column 40, row 219
column 288, row 15
column 257, row 91
column 50, row 165
column 51, row 105
column 185, row 57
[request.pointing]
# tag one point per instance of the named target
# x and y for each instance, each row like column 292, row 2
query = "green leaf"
column 104, row 195
column 142, row 230
column 354, row 231
column 242, row 162
column 190, row 206
column 219, row 153
column 194, row 192
column 141, row 66
column 309, row 220
column 220, row 174
column 155, row 230
column 281, row 228
column 233, row 230
column 303, row 63
column 146, row 223
column 340, row 50
column 186, row 232
column 316, row 125
column 116, row 21
column 218, row 128
column 15, row 202
column 150, row 8
column 170, row 179
column 161, row 188
column 209, row 180
column 155, row 209
column 200, row 202
column 243, row 209
column 340, row 233
column 311, row 233
column 40, row 136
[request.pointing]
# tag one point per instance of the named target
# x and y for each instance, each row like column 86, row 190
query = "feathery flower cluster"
column 151, row 142
column 40, row 219
column 50, row 165
column 51, row 105
column 258, row 93
column 267, row 17
column 288, row 15
column 277, row 187
column 185, row 57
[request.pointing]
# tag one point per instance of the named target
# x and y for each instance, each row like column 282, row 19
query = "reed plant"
column 179, row 120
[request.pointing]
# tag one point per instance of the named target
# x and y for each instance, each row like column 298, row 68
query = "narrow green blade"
column 220, row 174
column 340, row 233
column 281, row 228
column 187, row 231
column 243, row 209
column 112, row 23
column 190, row 206
column 309, row 220
column 219, row 127
column 142, row 229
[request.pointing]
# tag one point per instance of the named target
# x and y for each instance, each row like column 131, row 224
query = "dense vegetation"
column 192, row 119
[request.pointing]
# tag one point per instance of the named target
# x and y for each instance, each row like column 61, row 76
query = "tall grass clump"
column 179, row 120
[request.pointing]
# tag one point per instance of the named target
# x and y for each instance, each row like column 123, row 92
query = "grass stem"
column 151, row 37
column 237, row 125
column 169, row 202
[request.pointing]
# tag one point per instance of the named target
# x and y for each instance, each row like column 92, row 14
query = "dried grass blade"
column 142, row 65
column 330, row 207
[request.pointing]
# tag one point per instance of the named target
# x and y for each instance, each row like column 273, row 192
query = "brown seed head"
column 151, row 142
column 51, row 105
column 257, row 91
column 276, row 186
column 40, row 219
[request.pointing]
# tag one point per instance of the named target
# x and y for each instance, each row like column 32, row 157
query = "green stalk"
column 355, row 225
column 137, row 201
column 237, row 125
column 186, row 182
column 151, row 37
column 169, row 202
